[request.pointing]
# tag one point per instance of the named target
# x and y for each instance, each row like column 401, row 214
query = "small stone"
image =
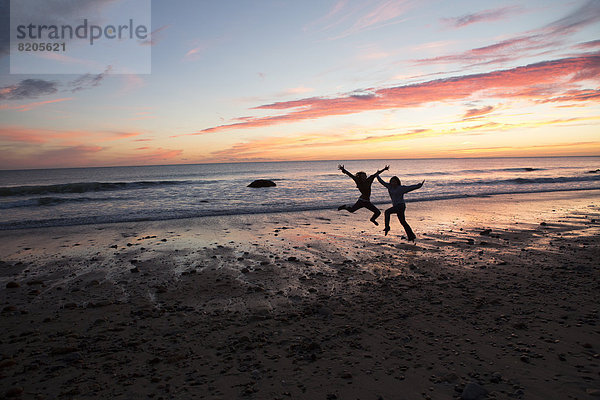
column 473, row 391
column 134, row 270
column 496, row 377
column 346, row 375
column 12, row 285
column 524, row 358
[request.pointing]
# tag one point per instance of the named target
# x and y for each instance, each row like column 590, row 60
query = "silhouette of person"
column 363, row 183
column 397, row 191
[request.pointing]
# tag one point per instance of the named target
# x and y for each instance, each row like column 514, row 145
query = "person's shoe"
column 386, row 230
column 375, row 222
column 412, row 238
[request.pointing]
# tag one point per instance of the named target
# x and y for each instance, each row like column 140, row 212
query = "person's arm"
column 414, row 187
column 384, row 183
column 376, row 174
column 341, row 168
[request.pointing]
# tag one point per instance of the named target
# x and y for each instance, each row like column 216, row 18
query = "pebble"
column 12, row 285
column 473, row 391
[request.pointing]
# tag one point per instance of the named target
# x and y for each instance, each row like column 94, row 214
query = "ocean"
column 76, row 196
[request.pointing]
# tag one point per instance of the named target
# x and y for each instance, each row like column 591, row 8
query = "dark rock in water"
column 260, row 183
column 485, row 232
column 594, row 171
column 12, row 285
column 473, row 391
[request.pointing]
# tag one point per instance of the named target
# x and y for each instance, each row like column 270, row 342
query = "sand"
column 497, row 299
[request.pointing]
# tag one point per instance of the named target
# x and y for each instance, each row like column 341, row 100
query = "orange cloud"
column 31, row 106
column 56, row 157
column 534, row 82
column 320, row 145
column 30, row 135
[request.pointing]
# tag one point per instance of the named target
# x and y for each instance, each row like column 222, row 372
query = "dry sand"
column 499, row 295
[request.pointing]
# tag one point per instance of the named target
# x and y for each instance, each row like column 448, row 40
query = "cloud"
column 151, row 155
column 154, row 37
column 481, row 16
column 587, row 14
column 34, row 88
column 295, row 91
column 534, row 82
column 477, row 112
column 31, row 106
column 55, row 157
column 31, row 135
column 89, row 80
column 351, row 17
column 589, row 45
column 28, row 89
column 315, row 145
column 547, row 37
column 574, row 95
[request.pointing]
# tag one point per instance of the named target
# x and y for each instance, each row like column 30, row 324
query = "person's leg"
column 356, row 206
column 376, row 212
column 409, row 233
column 387, row 214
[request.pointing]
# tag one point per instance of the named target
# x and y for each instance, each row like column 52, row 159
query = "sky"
column 276, row 80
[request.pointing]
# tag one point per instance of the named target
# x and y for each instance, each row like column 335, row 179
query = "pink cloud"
column 529, row 82
column 477, row 112
column 546, row 38
column 154, row 36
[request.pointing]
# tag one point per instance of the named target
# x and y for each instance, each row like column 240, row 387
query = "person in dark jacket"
column 363, row 183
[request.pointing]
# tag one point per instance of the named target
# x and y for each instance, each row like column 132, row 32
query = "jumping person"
column 364, row 186
column 397, row 192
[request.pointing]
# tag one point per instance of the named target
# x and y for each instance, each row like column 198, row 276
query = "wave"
column 162, row 215
column 525, row 181
column 51, row 201
column 84, row 187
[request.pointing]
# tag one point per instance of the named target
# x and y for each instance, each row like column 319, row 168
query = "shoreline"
column 498, row 294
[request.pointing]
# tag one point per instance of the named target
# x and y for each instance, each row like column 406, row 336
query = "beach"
column 498, row 298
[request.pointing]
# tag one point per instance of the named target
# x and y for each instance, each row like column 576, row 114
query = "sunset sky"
column 321, row 80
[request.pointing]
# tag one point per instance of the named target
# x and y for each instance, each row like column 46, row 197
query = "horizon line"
column 291, row 161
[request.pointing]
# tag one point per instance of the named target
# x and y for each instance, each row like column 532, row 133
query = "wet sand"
column 498, row 298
